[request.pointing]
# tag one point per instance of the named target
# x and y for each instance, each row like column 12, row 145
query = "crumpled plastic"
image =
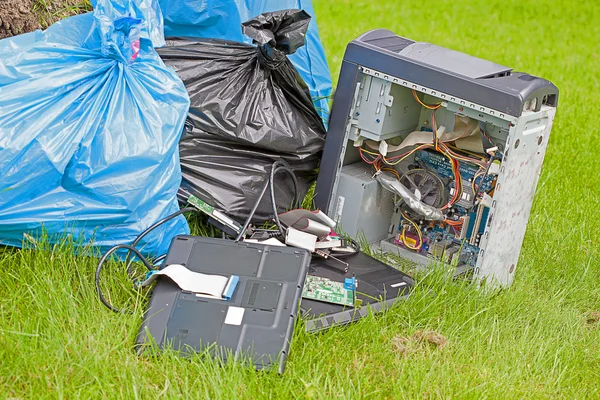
column 90, row 119
column 249, row 108
column 222, row 19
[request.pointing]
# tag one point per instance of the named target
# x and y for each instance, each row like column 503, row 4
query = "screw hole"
column 540, row 140
column 517, row 143
column 511, row 269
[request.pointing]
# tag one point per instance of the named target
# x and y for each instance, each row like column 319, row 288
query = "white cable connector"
column 487, row 200
column 383, row 148
column 492, row 150
column 494, row 168
column 302, row 240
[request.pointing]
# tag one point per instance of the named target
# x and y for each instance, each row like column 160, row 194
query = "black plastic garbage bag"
column 249, row 108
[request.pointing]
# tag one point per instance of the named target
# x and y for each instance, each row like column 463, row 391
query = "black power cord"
column 101, row 264
column 278, row 166
column 128, row 260
column 274, row 170
column 132, row 249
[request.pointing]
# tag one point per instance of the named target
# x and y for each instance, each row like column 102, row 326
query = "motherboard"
column 431, row 175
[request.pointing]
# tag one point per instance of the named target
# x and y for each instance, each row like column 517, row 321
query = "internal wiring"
column 475, row 161
column 486, row 170
column 453, row 223
column 476, row 156
column 403, row 238
column 417, row 230
column 474, row 185
column 392, row 171
column 395, row 160
column 362, row 152
column 454, row 156
column 489, row 139
column 443, row 149
column 369, row 152
column 439, row 146
column 429, row 107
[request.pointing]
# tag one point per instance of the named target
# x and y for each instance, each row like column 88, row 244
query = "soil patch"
column 16, row 17
column 593, row 317
column 22, row 16
column 419, row 342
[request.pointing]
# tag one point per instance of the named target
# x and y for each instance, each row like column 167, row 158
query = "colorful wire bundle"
column 474, row 186
column 417, row 230
column 429, row 107
column 443, row 149
column 378, row 160
column 362, row 152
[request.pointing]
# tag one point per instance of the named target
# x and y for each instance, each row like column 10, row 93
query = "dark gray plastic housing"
column 269, row 290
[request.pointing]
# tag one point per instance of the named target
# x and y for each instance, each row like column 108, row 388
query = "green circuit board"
column 328, row 291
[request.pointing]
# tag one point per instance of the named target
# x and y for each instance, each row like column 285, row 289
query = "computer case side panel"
column 335, row 144
column 515, row 190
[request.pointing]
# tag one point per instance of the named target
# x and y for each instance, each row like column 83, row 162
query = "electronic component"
column 326, row 290
column 428, row 158
column 467, row 197
column 380, row 286
column 409, row 240
column 441, row 167
column 350, row 283
column 224, row 223
column 437, row 249
column 465, row 226
column 427, row 186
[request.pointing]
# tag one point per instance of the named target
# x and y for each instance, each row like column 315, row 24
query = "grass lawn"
column 538, row 339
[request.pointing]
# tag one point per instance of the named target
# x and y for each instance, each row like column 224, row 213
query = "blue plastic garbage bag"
column 90, row 120
column 222, row 19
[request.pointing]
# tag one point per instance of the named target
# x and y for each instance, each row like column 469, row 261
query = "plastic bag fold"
column 222, row 19
column 90, row 119
column 249, row 108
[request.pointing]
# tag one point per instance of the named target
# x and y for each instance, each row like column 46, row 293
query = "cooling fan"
column 428, row 187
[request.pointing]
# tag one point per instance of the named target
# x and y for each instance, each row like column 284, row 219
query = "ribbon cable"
column 215, row 286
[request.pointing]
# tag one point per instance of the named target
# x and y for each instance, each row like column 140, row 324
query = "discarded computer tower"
column 435, row 155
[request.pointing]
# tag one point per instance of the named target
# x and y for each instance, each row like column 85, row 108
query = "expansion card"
column 328, row 291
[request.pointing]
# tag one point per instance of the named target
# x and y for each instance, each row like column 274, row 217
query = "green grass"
column 538, row 339
column 50, row 11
